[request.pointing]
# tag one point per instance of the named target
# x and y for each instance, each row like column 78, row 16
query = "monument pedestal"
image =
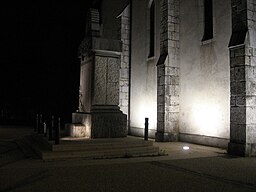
column 102, row 122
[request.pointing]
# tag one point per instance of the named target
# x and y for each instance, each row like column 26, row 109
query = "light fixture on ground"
column 185, row 148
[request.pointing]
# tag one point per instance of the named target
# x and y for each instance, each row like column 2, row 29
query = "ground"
column 198, row 169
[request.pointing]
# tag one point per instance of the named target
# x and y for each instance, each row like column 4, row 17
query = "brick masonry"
column 243, row 80
column 168, row 73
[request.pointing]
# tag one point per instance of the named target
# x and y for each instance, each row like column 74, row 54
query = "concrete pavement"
column 198, row 169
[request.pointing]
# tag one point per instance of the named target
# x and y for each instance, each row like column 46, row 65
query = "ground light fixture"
column 185, row 148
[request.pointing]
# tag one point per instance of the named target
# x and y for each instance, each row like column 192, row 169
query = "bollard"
column 40, row 124
column 51, row 128
column 57, row 133
column 146, row 130
column 44, row 129
column 37, row 121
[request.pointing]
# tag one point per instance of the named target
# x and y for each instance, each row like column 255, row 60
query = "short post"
column 44, row 129
column 51, row 128
column 37, row 121
column 146, row 129
column 57, row 133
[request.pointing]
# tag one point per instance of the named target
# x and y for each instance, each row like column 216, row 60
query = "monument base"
column 101, row 122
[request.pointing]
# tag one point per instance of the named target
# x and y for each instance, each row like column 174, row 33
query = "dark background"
column 39, row 65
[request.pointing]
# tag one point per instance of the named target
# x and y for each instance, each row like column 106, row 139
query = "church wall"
column 143, row 69
column 204, row 70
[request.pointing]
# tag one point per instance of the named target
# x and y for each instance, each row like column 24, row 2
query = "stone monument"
column 99, row 115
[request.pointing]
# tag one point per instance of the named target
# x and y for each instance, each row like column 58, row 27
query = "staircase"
column 70, row 148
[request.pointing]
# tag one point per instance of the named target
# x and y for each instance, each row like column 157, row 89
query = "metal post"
column 44, row 129
column 146, row 130
column 37, row 121
column 51, row 128
column 57, row 133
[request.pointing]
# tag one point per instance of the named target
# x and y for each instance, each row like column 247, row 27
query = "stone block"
column 160, row 99
column 160, row 108
column 161, row 116
column 232, row 74
column 123, row 95
column 125, row 89
column 232, row 101
column 238, row 115
column 250, row 115
column 173, row 90
column 113, row 70
column 241, row 100
column 109, row 125
column 251, row 133
column 124, row 73
column 174, row 100
column 79, row 130
column 237, row 61
column 100, row 78
column 238, row 133
column 173, row 116
column 251, row 100
column 112, row 95
column 247, row 60
column 171, row 126
column 172, row 71
column 124, row 102
column 162, row 80
column 239, row 52
column 232, row 53
column 241, row 87
column 240, row 73
column 249, row 51
column 160, row 90
column 233, row 88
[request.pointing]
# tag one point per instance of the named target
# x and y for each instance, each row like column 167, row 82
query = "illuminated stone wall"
column 204, row 74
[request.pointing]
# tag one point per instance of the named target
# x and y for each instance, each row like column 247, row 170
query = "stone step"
column 101, row 154
column 92, row 148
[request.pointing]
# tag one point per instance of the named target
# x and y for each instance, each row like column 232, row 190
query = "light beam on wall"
column 206, row 117
column 146, row 110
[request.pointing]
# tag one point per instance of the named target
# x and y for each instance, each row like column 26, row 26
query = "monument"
column 99, row 115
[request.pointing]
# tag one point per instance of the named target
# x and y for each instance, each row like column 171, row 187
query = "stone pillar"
column 99, row 84
column 124, row 71
column 168, row 73
column 243, row 79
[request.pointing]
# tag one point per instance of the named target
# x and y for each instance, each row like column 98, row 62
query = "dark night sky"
column 39, row 63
